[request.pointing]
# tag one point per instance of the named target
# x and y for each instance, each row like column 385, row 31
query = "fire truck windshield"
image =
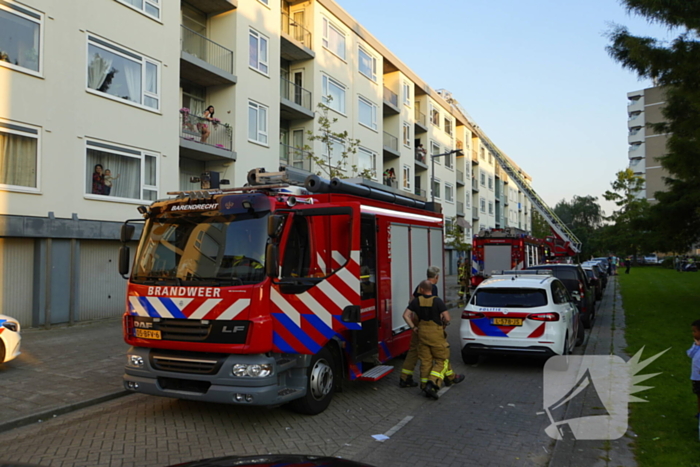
column 218, row 250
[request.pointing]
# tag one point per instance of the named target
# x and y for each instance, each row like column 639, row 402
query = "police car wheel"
column 470, row 359
column 319, row 389
column 2, row 352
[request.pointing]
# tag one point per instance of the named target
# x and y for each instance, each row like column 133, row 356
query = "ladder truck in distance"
column 276, row 292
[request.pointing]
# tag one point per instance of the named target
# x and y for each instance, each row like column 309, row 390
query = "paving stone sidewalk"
column 60, row 370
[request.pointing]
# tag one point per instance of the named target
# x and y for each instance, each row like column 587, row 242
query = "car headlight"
column 254, row 370
column 11, row 325
column 135, row 361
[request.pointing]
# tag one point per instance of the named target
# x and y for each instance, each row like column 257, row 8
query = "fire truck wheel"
column 319, row 380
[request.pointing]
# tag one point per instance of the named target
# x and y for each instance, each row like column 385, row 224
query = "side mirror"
column 271, row 261
column 274, row 224
column 124, row 259
column 127, row 232
column 352, row 314
column 576, row 296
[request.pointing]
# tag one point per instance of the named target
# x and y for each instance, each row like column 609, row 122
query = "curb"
column 49, row 414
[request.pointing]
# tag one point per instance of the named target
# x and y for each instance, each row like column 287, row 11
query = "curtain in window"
column 18, row 160
column 125, row 170
column 132, row 73
column 97, row 71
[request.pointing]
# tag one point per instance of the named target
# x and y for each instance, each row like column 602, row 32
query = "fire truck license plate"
column 507, row 321
column 147, row 334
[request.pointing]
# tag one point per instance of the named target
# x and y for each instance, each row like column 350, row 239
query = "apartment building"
column 645, row 145
column 96, row 120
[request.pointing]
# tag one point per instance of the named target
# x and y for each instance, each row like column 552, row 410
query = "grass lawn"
column 659, row 306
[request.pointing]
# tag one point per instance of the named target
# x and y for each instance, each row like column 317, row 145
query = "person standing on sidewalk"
column 694, row 354
column 409, row 364
column 628, row 265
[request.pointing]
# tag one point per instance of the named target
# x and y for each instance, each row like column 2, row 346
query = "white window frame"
column 262, row 50
column 265, row 2
column 491, row 208
column 35, row 17
column 373, row 157
column 407, row 134
column 28, row 131
column 482, row 179
column 373, row 72
column 128, row 54
column 406, row 93
column 327, row 81
column 339, row 157
column 482, row 205
column 491, row 182
column 153, row 3
column 449, row 188
column 373, row 112
column 436, row 183
column 448, row 125
column 257, row 106
column 124, row 151
column 434, row 144
column 328, row 26
column 407, row 177
column 434, row 111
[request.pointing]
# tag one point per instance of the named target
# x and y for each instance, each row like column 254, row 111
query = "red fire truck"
column 273, row 293
column 504, row 249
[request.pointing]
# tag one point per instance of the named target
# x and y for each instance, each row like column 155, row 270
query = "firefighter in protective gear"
column 463, row 278
column 433, row 350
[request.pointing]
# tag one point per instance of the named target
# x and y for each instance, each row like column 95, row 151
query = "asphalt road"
column 491, row 419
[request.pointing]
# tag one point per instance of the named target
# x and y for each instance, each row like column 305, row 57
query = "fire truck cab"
column 504, row 250
column 275, row 292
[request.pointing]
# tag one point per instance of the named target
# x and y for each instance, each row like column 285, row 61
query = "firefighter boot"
column 407, row 383
column 455, row 380
column 431, row 390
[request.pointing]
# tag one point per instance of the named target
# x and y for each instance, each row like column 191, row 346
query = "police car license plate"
column 147, row 334
column 507, row 321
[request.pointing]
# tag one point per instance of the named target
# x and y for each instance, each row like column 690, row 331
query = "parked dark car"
column 606, row 264
column 576, row 282
column 594, row 278
column 601, row 269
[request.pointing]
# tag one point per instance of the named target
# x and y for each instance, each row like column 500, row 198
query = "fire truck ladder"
column 559, row 227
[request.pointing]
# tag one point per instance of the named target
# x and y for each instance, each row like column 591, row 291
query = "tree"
column 584, row 216
column 675, row 66
column 628, row 233
column 540, row 227
column 454, row 237
column 328, row 138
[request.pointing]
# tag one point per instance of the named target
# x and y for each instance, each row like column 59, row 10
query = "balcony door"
column 298, row 80
column 193, row 36
column 299, row 23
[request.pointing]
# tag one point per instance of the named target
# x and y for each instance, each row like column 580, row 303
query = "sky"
column 534, row 75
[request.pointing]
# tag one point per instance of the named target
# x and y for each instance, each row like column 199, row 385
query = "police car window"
column 510, row 298
column 557, row 293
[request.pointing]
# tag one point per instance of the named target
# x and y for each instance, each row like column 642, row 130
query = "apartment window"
column 448, row 126
column 257, row 122
column 407, row 177
column 407, row 93
column 333, row 94
column 20, row 37
column 407, row 134
column 150, row 7
column 436, row 188
column 435, row 116
column 449, row 193
column 491, row 207
column 435, row 149
column 265, row 2
column 368, row 65
column 449, row 162
column 367, row 160
column 335, row 157
column 19, row 152
column 482, row 204
column 490, row 158
column 120, row 172
column 483, row 154
column 115, row 71
column 368, row 113
column 333, row 39
column 490, row 182
column 258, row 51
column 483, row 179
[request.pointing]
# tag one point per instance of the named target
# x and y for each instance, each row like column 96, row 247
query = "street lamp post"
column 432, row 170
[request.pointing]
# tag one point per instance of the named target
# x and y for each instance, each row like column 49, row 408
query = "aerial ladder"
column 571, row 244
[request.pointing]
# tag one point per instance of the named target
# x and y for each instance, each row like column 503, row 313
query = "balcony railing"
column 421, row 118
column 295, row 93
column 201, row 130
column 421, row 156
column 475, row 156
column 475, row 213
column 420, row 192
column 199, row 46
column 388, row 181
column 391, row 97
column 460, row 176
column 297, row 31
column 475, row 184
column 460, row 207
column 295, row 157
column 460, row 145
column 391, row 142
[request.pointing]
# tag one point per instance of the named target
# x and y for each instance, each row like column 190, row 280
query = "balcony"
column 475, row 213
column 636, row 135
column 196, row 144
column 215, row 7
column 421, row 159
column 296, row 40
column 636, row 151
column 391, row 146
column 421, row 192
column 475, row 185
column 475, row 157
column 460, row 177
column 295, row 157
column 295, row 101
column 391, row 102
column 460, row 208
column 636, row 120
column 421, row 123
column 460, row 146
column 635, row 105
column 203, row 61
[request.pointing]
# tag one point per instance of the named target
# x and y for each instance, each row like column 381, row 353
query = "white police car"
column 520, row 313
column 9, row 338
